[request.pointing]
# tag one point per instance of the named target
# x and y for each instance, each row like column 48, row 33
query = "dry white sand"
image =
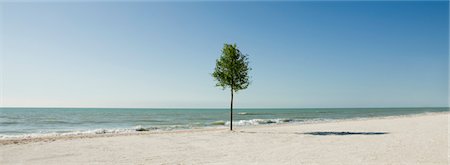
column 420, row 139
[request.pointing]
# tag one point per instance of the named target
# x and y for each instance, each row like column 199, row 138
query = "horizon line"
column 396, row 107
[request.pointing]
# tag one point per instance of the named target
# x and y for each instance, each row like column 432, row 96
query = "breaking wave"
column 135, row 129
column 252, row 113
column 253, row 122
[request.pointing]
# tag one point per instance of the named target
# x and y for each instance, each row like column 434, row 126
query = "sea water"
column 25, row 122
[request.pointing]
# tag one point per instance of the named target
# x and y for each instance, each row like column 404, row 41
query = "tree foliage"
column 232, row 69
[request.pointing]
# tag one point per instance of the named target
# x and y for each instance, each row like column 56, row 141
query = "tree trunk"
column 231, row 112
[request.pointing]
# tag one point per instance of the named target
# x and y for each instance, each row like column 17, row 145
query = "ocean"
column 26, row 122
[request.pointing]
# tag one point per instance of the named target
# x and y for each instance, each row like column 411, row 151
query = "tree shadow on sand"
column 344, row 133
column 326, row 133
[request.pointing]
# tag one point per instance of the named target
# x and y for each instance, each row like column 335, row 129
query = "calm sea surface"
column 16, row 122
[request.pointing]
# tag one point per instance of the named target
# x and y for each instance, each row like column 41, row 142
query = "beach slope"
column 417, row 139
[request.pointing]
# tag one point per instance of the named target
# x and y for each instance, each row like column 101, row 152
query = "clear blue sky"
column 155, row 54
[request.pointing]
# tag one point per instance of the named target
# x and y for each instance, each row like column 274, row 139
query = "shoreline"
column 64, row 136
column 413, row 140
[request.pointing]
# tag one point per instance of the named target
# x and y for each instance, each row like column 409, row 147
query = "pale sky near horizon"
column 161, row 54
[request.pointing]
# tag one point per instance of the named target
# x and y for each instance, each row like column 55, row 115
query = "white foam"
column 259, row 121
column 72, row 133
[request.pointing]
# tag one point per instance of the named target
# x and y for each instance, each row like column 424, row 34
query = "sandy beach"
column 417, row 139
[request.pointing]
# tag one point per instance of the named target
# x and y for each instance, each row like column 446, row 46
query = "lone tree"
column 232, row 72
